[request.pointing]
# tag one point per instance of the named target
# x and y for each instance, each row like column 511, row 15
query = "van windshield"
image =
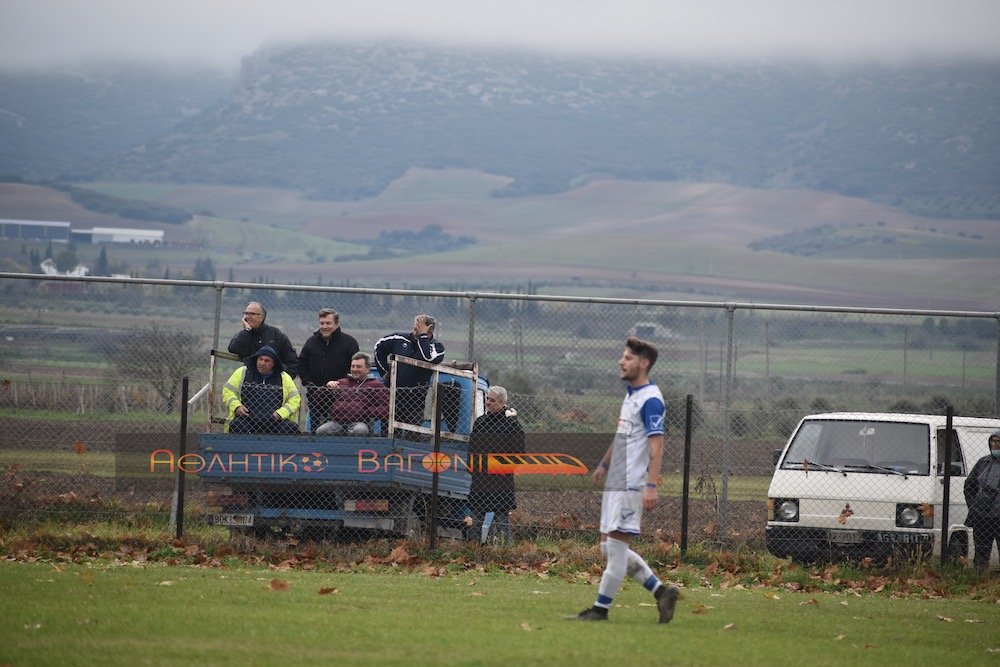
column 861, row 446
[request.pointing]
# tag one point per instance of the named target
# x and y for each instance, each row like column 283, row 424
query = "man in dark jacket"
column 326, row 356
column 982, row 495
column 255, row 334
column 355, row 401
column 411, row 381
column 496, row 431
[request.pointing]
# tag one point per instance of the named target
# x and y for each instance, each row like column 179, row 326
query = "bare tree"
column 158, row 356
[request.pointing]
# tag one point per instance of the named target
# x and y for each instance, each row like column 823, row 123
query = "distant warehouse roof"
column 122, row 235
column 34, row 229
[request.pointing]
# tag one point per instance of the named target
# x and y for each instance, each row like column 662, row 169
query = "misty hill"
column 55, row 124
column 342, row 121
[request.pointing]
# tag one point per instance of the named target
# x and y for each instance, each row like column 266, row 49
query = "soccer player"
column 630, row 471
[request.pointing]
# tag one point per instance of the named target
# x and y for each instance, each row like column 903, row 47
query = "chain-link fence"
column 91, row 377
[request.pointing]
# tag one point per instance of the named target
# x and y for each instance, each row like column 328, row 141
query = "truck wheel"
column 252, row 532
column 415, row 521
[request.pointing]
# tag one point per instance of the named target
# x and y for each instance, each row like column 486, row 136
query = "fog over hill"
column 343, row 120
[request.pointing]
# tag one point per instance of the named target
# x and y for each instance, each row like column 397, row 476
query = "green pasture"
column 98, row 464
column 741, row 487
column 126, row 612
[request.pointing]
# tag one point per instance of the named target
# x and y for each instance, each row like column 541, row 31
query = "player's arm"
column 602, row 468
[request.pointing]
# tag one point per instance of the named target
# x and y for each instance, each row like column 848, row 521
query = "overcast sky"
column 46, row 32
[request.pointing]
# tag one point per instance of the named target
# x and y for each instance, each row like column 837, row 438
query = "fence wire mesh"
column 91, row 383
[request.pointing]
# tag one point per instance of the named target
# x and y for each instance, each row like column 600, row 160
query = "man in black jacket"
column 255, row 334
column 982, row 495
column 497, row 431
column 325, row 356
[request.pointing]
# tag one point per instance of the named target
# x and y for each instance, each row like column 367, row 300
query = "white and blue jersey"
column 642, row 416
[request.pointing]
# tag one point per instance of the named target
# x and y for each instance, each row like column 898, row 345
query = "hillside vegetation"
column 341, row 121
column 608, row 238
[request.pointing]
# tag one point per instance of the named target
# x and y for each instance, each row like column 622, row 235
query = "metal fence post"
column 432, row 523
column 946, row 494
column 472, row 326
column 177, row 507
column 727, row 412
column 686, row 487
column 996, row 371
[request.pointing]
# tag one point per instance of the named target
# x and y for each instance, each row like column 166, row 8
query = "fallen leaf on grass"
column 973, row 620
column 945, row 619
column 810, row 601
column 164, row 583
column 698, row 609
column 87, row 578
column 729, row 626
column 327, row 591
column 526, row 626
column 399, row 555
column 35, row 626
column 771, row 595
column 839, row 637
column 279, row 585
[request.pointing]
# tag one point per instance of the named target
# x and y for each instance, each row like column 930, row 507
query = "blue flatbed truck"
column 271, row 483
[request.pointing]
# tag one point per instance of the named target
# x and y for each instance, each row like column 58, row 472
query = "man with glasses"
column 255, row 334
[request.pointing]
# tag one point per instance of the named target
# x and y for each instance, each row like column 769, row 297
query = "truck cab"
column 872, row 485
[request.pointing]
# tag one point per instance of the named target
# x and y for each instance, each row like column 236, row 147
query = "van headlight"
column 914, row 516
column 785, row 509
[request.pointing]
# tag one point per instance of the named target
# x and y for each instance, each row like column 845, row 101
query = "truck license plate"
column 845, row 537
column 233, row 519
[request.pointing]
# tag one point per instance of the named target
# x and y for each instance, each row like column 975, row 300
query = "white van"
column 857, row 485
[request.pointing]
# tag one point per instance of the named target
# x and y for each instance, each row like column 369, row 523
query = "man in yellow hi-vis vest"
column 261, row 397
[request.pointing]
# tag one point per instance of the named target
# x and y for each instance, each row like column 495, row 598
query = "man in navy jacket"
column 417, row 344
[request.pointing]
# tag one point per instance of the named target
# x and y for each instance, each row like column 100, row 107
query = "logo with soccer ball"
column 436, row 462
column 313, row 462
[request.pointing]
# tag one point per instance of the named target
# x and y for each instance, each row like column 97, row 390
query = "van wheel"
column 958, row 546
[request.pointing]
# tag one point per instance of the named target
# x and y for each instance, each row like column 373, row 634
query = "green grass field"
column 104, row 613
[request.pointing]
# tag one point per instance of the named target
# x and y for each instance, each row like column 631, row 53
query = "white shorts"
column 621, row 511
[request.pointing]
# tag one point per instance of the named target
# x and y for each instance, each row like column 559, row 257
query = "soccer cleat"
column 666, row 603
column 589, row 614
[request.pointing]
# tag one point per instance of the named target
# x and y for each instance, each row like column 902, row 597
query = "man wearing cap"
column 261, row 397
column 982, row 495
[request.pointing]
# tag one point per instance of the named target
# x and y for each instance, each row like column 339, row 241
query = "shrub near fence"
column 72, row 387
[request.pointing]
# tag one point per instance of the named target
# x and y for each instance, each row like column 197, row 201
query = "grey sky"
column 44, row 32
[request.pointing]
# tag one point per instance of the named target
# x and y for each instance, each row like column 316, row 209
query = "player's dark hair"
column 643, row 348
